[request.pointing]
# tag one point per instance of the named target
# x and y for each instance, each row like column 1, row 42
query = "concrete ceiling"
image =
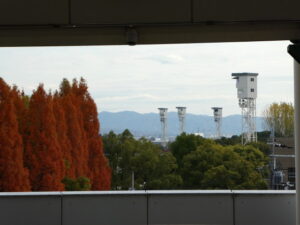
column 106, row 22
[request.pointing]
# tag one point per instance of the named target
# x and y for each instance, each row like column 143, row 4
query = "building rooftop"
column 244, row 74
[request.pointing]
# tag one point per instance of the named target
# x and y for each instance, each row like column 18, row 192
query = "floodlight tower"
column 218, row 120
column 181, row 116
column 163, row 113
column 246, row 84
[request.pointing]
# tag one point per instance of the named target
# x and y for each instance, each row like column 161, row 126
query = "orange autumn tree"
column 100, row 173
column 51, row 142
column 75, row 131
column 61, row 131
column 43, row 154
column 13, row 175
column 21, row 102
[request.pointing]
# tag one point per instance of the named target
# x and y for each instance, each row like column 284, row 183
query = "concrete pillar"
column 297, row 134
column 294, row 51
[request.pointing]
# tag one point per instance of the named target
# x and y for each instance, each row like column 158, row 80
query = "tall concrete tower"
column 163, row 113
column 181, row 116
column 218, row 120
column 246, row 84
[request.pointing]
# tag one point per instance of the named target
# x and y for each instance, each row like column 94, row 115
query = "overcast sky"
column 143, row 78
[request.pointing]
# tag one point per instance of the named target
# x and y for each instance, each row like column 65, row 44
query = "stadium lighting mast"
column 218, row 120
column 163, row 113
column 246, row 84
column 181, row 116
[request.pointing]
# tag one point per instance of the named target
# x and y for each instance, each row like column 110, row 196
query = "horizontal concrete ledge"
column 150, row 207
column 154, row 192
column 149, row 34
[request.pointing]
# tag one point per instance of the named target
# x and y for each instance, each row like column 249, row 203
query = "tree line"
column 194, row 162
column 50, row 141
column 191, row 162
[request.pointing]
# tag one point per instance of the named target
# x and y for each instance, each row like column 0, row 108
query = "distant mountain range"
column 148, row 124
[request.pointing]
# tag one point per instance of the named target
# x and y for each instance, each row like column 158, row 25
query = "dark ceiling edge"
column 148, row 34
column 203, row 23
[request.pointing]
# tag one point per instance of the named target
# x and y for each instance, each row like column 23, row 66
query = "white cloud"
column 164, row 58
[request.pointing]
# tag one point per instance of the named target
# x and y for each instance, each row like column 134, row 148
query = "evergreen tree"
column 152, row 167
column 232, row 167
column 185, row 144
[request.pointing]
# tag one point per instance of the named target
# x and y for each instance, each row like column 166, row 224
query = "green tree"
column 79, row 184
column 234, row 140
column 262, row 146
column 186, row 143
column 263, row 136
column 218, row 167
column 152, row 167
column 112, row 148
column 281, row 117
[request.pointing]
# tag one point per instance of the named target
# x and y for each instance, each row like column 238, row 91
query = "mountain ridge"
column 148, row 124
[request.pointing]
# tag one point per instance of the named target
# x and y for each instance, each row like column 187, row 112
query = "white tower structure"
column 218, row 120
column 163, row 113
column 246, row 84
column 181, row 116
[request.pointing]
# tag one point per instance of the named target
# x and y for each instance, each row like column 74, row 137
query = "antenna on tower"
column 181, row 116
column 163, row 113
column 218, row 120
column 246, row 84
